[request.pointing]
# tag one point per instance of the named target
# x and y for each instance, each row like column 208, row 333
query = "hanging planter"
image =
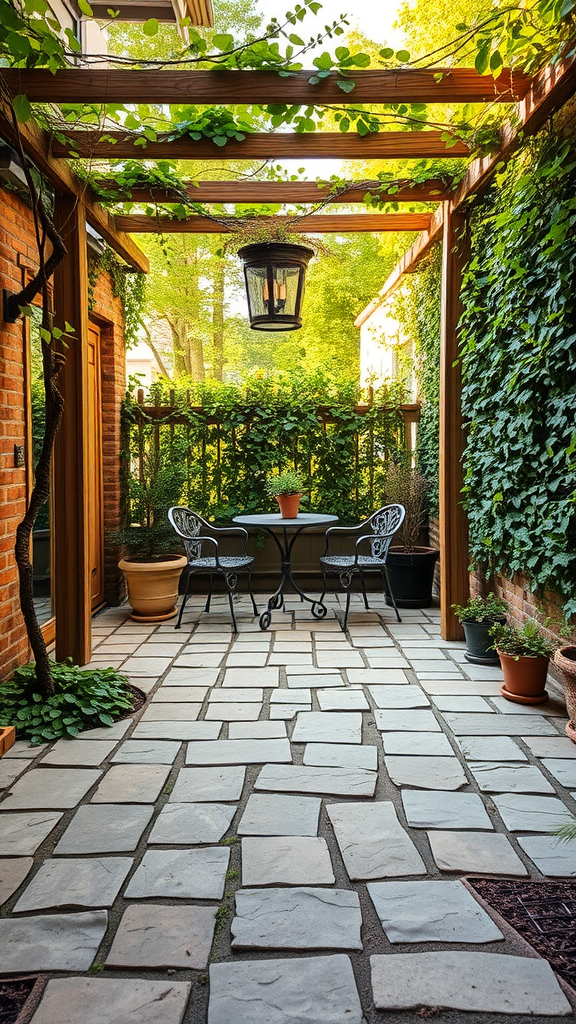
column 274, row 273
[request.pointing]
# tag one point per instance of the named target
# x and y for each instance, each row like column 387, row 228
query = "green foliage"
column 528, row 642
column 481, row 609
column 566, row 833
column 83, row 699
column 151, row 492
column 417, row 307
column 287, row 482
column 128, row 285
column 518, row 346
column 227, row 439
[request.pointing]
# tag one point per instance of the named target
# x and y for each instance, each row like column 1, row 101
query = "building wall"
column 18, row 259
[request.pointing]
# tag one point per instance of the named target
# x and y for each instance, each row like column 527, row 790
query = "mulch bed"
column 139, row 700
column 19, row 997
column 543, row 913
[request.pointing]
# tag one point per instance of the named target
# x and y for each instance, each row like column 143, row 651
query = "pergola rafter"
column 404, row 85
column 339, row 223
column 386, row 145
column 294, row 192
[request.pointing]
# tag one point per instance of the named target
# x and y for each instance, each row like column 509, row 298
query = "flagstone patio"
column 276, row 838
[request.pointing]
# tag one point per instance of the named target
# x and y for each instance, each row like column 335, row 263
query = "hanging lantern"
column 274, row 273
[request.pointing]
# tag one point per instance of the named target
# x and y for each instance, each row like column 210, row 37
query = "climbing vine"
column 519, row 369
column 127, row 285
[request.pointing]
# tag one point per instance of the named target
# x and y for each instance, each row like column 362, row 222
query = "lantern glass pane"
column 257, row 281
column 286, row 290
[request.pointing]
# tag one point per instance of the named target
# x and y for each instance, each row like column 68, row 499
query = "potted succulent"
column 410, row 564
column 151, row 568
column 565, row 659
column 477, row 616
column 524, row 655
column 287, row 489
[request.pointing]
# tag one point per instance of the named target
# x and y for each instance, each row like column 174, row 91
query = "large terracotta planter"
column 288, row 504
column 411, row 576
column 153, row 586
column 565, row 659
column 524, row 679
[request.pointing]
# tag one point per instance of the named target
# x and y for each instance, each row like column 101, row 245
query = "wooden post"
column 454, row 581
column 72, row 584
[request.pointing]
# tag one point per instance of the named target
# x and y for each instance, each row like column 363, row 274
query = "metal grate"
column 543, row 913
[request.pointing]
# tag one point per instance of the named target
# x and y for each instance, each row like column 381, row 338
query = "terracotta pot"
column 565, row 659
column 288, row 505
column 153, row 586
column 7, row 738
column 524, row 679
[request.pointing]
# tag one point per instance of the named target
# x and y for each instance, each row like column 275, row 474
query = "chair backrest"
column 188, row 525
column 384, row 524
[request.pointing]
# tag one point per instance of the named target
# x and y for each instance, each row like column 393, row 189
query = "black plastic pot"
column 411, row 576
column 479, row 649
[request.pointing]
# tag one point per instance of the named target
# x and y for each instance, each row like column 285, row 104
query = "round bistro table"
column 284, row 533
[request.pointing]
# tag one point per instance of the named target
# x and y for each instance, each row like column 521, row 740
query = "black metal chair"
column 188, row 526
column 383, row 524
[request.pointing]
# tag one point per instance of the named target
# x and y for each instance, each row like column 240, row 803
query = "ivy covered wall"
column 519, row 368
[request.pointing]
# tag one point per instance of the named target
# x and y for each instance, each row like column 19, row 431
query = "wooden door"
column 94, row 469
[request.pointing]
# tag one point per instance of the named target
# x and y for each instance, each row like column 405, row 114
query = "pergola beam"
column 36, row 146
column 405, row 85
column 386, row 145
column 339, row 223
column 253, row 192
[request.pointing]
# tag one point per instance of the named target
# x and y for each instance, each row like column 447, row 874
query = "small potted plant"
column 477, row 616
column 565, row 659
column 410, row 564
column 151, row 568
column 287, row 489
column 524, row 655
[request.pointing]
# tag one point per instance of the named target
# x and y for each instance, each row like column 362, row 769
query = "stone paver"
column 191, row 824
column 227, row 712
column 13, row 871
column 183, row 874
column 79, row 753
column 523, row 813
column 261, row 677
column 553, row 746
column 58, row 790
column 423, row 744
column 177, row 731
column 509, row 778
column 208, row 785
column 147, row 752
column 490, row 748
column 159, row 712
column 461, row 980
column 132, row 784
column 83, row 882
column 463, row 724
column 51, row 942
column 431, row 911
column 178, row 694
column 341, row 755
column 553, row 858
column 328, row 727
column 161, row 936
column 349, row 699
column 303, row 779
column 426, row 772
column 22, row 834
column 271, row 814
column 399, row 696
column 112, row 1001
column 263, row 730
column 105, row 828
column 239, row 752
column 313, row 990
column 432, row 809
column 286, row 860
column 564, row 771
column 297, row 918
column 480, row 853
column 405, row 720
column 372, row 842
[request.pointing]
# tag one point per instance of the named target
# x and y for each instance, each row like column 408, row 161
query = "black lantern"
column 274, row 273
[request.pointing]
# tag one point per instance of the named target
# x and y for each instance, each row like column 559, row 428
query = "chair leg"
column 251, row 594
column 182, row 607
column 391, row 594
column 231, row 602
column 209, row 598
column 345, row 623
column 366, row 605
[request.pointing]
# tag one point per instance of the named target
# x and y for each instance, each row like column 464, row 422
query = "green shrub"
column 84, row 699
column 528, row 642
column 287, row 482
column 481, row 609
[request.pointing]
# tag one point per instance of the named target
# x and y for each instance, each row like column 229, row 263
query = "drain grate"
column 543, row 913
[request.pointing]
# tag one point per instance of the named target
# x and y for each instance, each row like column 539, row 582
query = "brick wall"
column 18, row 258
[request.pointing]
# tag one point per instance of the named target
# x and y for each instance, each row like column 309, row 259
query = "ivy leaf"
column 85, row 8
column 345, row 85
column 223, row 41
column 22, row 108
column 403, row 56
column 150, row 27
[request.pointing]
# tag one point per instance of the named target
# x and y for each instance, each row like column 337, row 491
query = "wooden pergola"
column 535, row 100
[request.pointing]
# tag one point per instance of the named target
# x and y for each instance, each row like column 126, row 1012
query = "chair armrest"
column 211, row 540
column 233, row 529
column 339, row 529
